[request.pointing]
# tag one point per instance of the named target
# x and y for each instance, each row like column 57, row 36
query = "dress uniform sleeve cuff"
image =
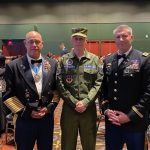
column 14, row 104
column 135, row 115
column 56, row 98
column 104, row 106
column 85, row 101
column 51, row 107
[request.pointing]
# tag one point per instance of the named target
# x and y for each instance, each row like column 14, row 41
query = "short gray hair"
column 123, row 27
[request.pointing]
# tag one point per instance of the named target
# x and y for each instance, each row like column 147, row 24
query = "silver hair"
column 123, row 27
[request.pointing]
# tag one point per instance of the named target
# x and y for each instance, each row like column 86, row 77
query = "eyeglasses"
column 36, row 42
column 79, row 38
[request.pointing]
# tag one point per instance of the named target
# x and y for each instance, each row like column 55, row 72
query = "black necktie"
column 121, row 56
column 36, row 61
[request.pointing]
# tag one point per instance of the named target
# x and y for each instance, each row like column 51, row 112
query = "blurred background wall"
column 55, row 20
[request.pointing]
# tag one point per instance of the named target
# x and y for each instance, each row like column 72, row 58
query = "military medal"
column 47, row 66
column 36, row 72
column 36, row 78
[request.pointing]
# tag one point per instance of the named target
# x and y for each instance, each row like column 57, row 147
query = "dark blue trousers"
column 116, row 137
column 29, row 131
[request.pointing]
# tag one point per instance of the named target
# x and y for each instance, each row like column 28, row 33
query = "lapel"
column 46, row 72
column 115, row 63
column 25, row 71
column 126, row 62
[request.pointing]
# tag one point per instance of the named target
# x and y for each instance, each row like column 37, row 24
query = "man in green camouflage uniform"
column 79, row 81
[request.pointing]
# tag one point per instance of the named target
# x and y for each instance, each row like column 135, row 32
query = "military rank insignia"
column 145, row 54
column 69, row 62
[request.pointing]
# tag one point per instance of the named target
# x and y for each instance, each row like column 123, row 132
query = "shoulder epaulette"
column 145, row 54
column 109, row 54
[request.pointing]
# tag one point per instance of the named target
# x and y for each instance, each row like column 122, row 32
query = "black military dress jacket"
column 2, row 108
column 21, row 85
column 127, row 88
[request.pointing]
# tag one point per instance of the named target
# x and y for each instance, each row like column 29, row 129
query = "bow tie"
column 36, row 61
column 121, row 56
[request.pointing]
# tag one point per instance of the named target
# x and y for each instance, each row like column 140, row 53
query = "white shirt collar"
column 126, row 52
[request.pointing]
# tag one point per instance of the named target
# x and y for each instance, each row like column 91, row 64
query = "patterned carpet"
column 57, row 134
column 100, row 145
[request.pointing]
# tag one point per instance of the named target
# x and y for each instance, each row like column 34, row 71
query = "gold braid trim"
column 14, row 104
column 137, row 112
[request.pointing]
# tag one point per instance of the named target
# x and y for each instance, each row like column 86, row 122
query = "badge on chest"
column 133, row 68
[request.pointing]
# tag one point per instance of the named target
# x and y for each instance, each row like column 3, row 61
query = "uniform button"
column 131, row 75
column 115, row 98
column 115, row 90
column 115, row 82
column 116, row 74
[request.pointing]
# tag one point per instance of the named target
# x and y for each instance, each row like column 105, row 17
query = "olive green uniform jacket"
column 78, row 80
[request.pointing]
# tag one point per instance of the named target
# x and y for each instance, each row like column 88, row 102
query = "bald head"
column 33, row 34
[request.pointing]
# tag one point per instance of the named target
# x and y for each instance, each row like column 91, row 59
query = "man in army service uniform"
column 126, row 93
column 79, row 81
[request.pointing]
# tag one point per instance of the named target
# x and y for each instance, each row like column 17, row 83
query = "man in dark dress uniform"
column 126, row 93
column 31, row 94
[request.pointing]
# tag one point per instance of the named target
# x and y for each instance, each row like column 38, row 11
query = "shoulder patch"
column 145, row 54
